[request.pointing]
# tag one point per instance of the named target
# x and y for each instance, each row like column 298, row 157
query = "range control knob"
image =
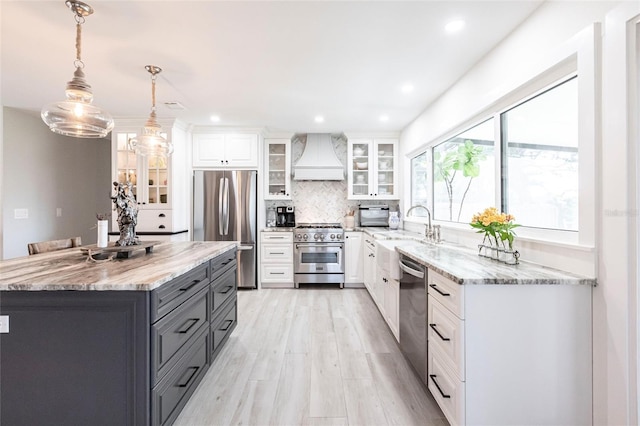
column 322, row 236
column 298, row 236
column 339, row 236
column 305, row 236
column 316, row 237
column 333, row 236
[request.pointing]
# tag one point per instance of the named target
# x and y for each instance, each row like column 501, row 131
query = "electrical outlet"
column 4, row 323
column 21, row 213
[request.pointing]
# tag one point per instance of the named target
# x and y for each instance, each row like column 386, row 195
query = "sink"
column 387, row 257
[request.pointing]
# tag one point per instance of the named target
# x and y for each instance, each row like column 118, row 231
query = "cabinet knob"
column 161, row 227
column 162, row 215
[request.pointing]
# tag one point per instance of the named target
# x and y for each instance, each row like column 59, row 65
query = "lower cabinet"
column 391, row 305
column 510, row 354
column 114, row 357
column 276, row 259
column 353, row 258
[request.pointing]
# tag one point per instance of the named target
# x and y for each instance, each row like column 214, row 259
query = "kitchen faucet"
column 429, row 231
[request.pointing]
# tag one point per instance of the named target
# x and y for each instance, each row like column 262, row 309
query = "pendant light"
column 76, row 116
column 151, row 143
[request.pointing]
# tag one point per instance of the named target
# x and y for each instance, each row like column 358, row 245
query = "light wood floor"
column 310, row 357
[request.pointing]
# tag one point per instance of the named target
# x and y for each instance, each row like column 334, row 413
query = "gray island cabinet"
column 122, row 342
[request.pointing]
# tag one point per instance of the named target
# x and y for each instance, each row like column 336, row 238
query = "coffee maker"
column 285, row 217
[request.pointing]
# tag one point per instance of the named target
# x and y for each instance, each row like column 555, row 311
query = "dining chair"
column 53, row 245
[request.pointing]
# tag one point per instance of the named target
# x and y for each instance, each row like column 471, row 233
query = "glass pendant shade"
column 76, row 116
column 151, row 143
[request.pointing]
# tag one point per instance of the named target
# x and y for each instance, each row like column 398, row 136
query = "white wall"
column 612, row 257
column 43, row 171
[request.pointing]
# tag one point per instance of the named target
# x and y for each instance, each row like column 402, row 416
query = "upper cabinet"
column 277, row 169
column 159, row 184
column 220, row 150
column 372, row 169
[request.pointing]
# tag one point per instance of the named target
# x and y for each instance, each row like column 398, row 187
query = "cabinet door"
column 126, row 161
column 359, row 169
column 354, row 258
column 241, row 150
column 384, row 164
column 157, row 181
column 369, row 273
column 208, row 150
column 278, row 169
column 391, row 308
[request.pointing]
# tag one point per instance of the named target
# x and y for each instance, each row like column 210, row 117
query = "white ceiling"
column 257, row 64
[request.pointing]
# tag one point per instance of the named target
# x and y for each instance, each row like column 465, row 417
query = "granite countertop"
column 69, row 270
column 464, row 266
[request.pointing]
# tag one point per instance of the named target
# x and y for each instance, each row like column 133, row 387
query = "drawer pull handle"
column 229, row 322
column 193, row 374
column 190, row 286
column 193, row 321
column 433, row 379
column 433, row 327
column 433, row 286
column 162, row 215
column 161, row 227
column 228, row 289
column 277, row 252
column 275, row 238
column 277, row 273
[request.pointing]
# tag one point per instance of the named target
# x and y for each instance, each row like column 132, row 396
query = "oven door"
column 318, row 258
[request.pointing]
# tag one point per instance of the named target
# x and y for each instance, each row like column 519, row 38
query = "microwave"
column 374, row 215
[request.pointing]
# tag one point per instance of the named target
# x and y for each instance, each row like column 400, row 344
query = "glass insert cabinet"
column 149, row 176
column 372, row 169
column 278, row 169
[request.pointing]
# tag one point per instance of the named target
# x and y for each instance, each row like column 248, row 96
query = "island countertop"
column 69, row 270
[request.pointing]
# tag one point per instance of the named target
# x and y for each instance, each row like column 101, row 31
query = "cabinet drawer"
column 173, row 392
column 222, row 263
column 448, row 391
column 222, row 326
column 446, row 331
column 170, row 334
column 223, row 289
column 167, row 297
column 277, row 253
column 154, row 220
column 277, row 273
column 447, row 292
column 277, row 237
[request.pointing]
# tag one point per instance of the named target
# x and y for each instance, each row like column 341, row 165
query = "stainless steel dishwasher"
column 413, row 314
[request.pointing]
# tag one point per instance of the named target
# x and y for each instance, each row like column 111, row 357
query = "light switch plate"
column 21, row 213
column 4, row 323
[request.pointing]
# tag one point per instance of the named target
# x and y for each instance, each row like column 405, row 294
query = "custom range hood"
column 318, row 160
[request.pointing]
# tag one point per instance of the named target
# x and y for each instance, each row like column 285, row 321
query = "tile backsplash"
column 322, row 201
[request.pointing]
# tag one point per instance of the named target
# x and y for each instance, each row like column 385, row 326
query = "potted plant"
column 498, row 229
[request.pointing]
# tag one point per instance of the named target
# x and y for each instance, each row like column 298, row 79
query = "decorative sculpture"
column 125, row 203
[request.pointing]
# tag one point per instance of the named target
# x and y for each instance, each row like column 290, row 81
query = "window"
column 464, row 174
column 540, row 159
column 420, row 183
column 536, row 159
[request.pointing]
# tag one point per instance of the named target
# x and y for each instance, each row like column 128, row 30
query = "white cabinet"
column 391, row 305
column 277, row 169
column 276, row 259
column 510, row 354
column 159, row 184
column 372, row 169
column 219, row 150
column 369, row 264
column 354, row 258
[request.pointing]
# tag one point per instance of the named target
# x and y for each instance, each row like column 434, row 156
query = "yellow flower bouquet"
column 498, row 229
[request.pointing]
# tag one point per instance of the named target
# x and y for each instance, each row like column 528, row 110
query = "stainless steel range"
column 318, row 250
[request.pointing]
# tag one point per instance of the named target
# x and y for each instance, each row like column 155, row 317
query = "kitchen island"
column 121, row 342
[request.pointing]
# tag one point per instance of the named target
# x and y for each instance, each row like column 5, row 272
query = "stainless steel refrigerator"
column 225, row 209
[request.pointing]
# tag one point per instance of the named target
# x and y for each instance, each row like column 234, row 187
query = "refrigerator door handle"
column 226, row 206
column 245, row 247
column 220, row 206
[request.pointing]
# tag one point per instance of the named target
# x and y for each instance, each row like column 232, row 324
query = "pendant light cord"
column 153, row 94
column 79, row 21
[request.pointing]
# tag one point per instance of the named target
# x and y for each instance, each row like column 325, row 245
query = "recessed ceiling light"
column 384, row 118
column 407, row 88
column 454, row 26
column 214, row 118
column 319, row 119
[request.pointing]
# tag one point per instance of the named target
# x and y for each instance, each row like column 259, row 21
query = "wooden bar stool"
column 53, row 245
